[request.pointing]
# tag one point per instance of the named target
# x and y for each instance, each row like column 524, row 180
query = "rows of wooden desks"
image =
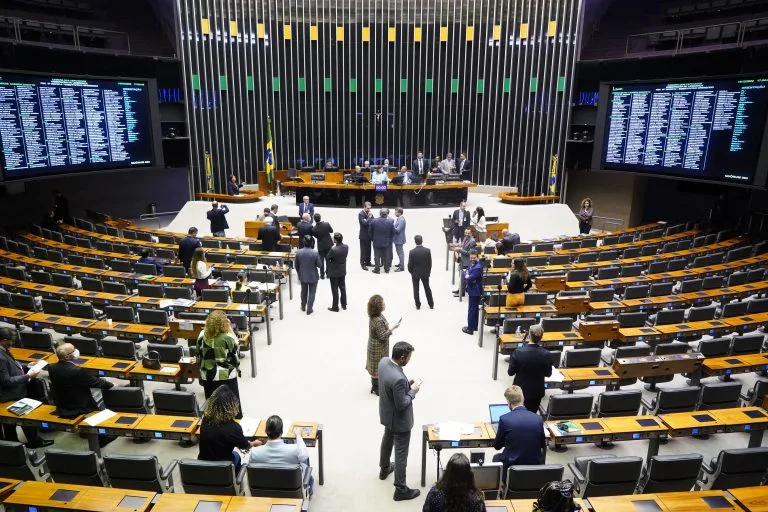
column 752, row 420
column 154, row 426
column 56, row 496
column 603, row 234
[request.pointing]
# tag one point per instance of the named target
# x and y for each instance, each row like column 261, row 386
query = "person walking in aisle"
column 218, row 219
column 307, row 264
column 473, row 281
column 382, row 232
column 399, row 238
column 322, row 231
column 530, row 365
column 364, row 218
column 420, row 268
column 336, row 269
column 379, row 332
column 187, row 246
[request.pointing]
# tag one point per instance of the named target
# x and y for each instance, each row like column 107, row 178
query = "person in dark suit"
column 420, row 268
column 461, row 221
column 364, row 218
column 15, row 384
column 382, row 232
column 304, row 226
column 307, row 264
column 322, row 232
column 61, row 208
column 218, row 219
column 520, row 433
column 336, row 270
column 306, row 207
column 233, row 187
column 275, row 219
column 508, row 242
column 530, row 365
column 268, row 235
column 49, row 220
column 187, row 246
column 465, row 167
column 473, row 282
column 396, row 394
column 420, row 165
column 146, row 258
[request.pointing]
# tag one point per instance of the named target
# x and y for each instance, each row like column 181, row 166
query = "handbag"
column 151, row 360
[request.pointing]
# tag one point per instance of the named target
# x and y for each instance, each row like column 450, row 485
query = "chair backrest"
column 81, row 310
column 632, row 319
column 86, row 346
column 670, row 316
column 735, row 309
column 719, row 395
column 571, row 244
column 511, row 324
column 677, row 264
column 502, row 262
column 636, row 292
column 747, row 343
column 121, row 248
column 145, row 268
column 588, row 243
column 115, row 287
column 618, row 403
column 676, row 400
column 14, row 461
column 153, row 316
column 216, row 295
column 544, row 246
column 631, row 270
column 671, row 473
column 216, row 257
column 559, row 259
column 581, row 358
column 488, row 477
column 611, row 476
column 524, row 482
column 63, row 280
column 210, row 243
column 755, row 395
column 120, row 265
column 657, row 267
column 737, row 278
column 125, row 399
column 649, row 250
column 663, row 349
column 168, row 353
column 120, row 313
column 174, row 271
column 54, row 307
column 139, row 472
column 601, row 294
column 176, row 403
column 578, row 275
column 608, row 273
column 208, row 477
column 608, row 255
column 246, row 259
column 36, row 340
column 118, row 349
column 166, row 239
column 38, row 276
column 557, row 324
column 756, row 274
column 716, row 347
column 276, row 480
column 742, row 467
column 534, row 299
column 92, row 285
column 130, row 234
column 701, row 314
column 710, row 283
column 692, row 285
column 151, row 290
column 94, row 262
column 586, row 257
column 21, row 301
column 660, row 289
column 632, row 351
column 518, row 248
column 611, row 240
column 757, row 306
column 74, row 467
column 573, row 406
column 178, row 292
column 669, row 247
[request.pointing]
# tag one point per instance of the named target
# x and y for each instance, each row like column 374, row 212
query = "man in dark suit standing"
column 306, row 207
column 14, row 380
column 520, row 432
column 530, row 365
column 187, row 246
column 396, row 394
column 382, row 232
column 465, row 167
column 322, row 232
column 420, row 166
column 275, row 219
column 304, row 226
column 307, row 263
column 364, row 218
column 461, row 221
column 218, row 219
column 473, row 282
column 420, row 268
column 233, row 187
column 268, row 235
column 336, row 269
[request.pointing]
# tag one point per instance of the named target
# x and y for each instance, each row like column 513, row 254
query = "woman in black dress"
column 456, row 490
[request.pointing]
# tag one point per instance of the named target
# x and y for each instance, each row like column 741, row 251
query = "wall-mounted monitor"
column 53, row 125
column 709, row 129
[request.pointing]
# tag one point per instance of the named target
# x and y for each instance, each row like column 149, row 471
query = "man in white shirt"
column 275, row 451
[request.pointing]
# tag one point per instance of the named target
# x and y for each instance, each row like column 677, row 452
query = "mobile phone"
column 400, row 321
column 417, row 382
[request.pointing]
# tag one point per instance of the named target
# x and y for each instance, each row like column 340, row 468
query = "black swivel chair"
column 75, row 467
column 659, row 289
column 210, row 477
column 734, row 309
column 277, row 480
column 18, row 463
column 115, row 287
column 581, row 358
column 139, row 472
column 672, row 400
column 608, row 273
column 605, row 475
column 86, row 346
column 221, row 295
column 148, row 269
column 691, row 285
column 120, row 266
column 153, row 316
column 151, row 290
column 91, row 285
column 534, row 299
column 719, row 395
column 25, row 302
column 120, row 314
column 34, row 340
column 54, row 307
column 617, row 403
column 557, row 324
column 63, row 280
column 83, row 310
column 734, row 468
column 525, row 482
column 178, row 292
column 636, row 292
column 754, row 396
column 757, row 306
column 670, row 316
column 126, row 399
column 601, row 294
column 701, row 314
column 119, row 349
column 567, row 407
column 716, row 347
column 578, row 275
column 512, row 324
column 670, row 473
column 176, row 271
column 747, row 344
column 176, row 403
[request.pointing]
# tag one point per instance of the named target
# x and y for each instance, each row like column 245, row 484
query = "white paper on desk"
column 187, row 360
column 165, row 303
column 183, row 302
column 168, row 369
column 556, row 376
column 185, row 326
column 37, row 366
column 452, row 430
column 249, row 426
column 99, row 417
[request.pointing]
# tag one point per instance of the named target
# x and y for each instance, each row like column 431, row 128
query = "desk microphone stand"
column 251, row 347
column 500, row 323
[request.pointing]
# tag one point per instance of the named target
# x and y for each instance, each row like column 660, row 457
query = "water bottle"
column 517, row 331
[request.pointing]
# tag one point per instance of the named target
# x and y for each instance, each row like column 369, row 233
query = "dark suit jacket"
column 218, row 218
column 420, row 262
column 269, row 236
column 425, row 165
column 459, row 227
column 306, row 264
column 365, row 222
column 310, row 209
column 233, row 189
column 473, row 278
column 303, row 228
column 337, row 261
column 382, row 231
column 395, row 397
column 13, row 378
column 467, row 165
column 521, row 434
column 507, row 243
column 322, row 232
column 72, row 389
column 530, row 365
column 187, row 246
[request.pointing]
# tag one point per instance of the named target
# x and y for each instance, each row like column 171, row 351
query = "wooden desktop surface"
column 693, row 501
column 630, row 424
column 7, row 486
column 480, row 433
column 499, row 506
column 687, row 420
column 187, row 502
column 26, row 355
column 624, row 503
column 91, row 499
column 117, row 422
column 251, row 504
column 754, row 499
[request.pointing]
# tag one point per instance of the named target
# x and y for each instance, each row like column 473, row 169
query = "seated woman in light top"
column 379, row 177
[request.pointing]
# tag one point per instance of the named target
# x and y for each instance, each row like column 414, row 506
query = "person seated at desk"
column 518, row 282
column 556, row 497
column 220, row 435
column 304, row 226
column 491, row 241
column 241, row 284
column 17, row 382
column 329, row 165
column 146, row 258
column 520, row 433
column 406, row 175
column 508, row 242
column 379, row 177
column 367, row 166
column 268, row 235
column 530, row 365
column 233, row 187
column 356, row 176
column 277, row 452
column 456, row 489
column 387, row 166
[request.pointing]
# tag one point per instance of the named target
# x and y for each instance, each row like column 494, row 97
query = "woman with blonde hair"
column 379, row 332
column 217, row 356
column 585, row 216
column 518, row 282
column 200, row 271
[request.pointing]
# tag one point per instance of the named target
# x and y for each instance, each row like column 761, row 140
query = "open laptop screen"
column 497, row 410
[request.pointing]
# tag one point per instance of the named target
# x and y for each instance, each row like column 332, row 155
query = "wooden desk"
column 488, row 312
column 187, row 502
column 156, row 426
column 510, row 342
column 13, row 316
column 599, row 330
column 26, row 355
column 482, row 437
column 514, row 198
column 685, row 424
column 753, row 420
column 604, row 308
column 91, row 499
column 106, row 367
column 635, row 334
column 7, row 486
column 624, row 503
column 754, row 499
column 42, row 417
column 250, row 197
column 593, row 430
column 638, row 428
column 694, row 501
column 693, row 330
column 576, row 377
column 133, row 331
column 63, row 324
column 251, row 504
column 99, row 298
column 654, row 303
column 573, row 304
column 121, row 424
column 168, row 372
column 747, row 323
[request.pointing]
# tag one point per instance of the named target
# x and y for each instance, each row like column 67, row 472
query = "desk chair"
column 601, row 294
column 671, row 400
column 121, row 249
column 659, row 289
column 5, row 299
column 649, row 250
column 701, row 314
column 126, row 399
column 557, row 324
column 115, row 287
column 40, row 253
column 16, row 273
column 581, row 358
column 755, row 275
column 588, row 243
column 757, row 306
column 176, row 403
column 104, row 246
column 41, row 277
column 611, row 404
column 54, row 307
column 151, row 290
column 559, row 259
column 255, row 297
column 611, row 240
column 153, row 316
column 719, row 395
column 677, row 264
column 86, row 346
column 658, row 267
column 23, row 249
column 178, row 292
column 754, row 396
column 245, row 259
column 25, row 302
column 493, row 280
column 120, row 265
column 166, row 254
column 139, row 472
column 535, row 299
column 632, row 319
column 626, row 239
column 735, row 309
column 119, row 349
column 129, row 234
column 636, row 292
column 747, row 344
column 169, row 354
column 75, row 467
column 670, row 473
column 545, row 246
column 710, row 283
column 567, row 407
column 691, row 285
column 229, row 275
column 94, row 263
column 669, row 247
column 630, row 252
column 92, row 285
column 174, row 271
column 578, row 275
column 211, row 243
column 716, row 347
column 524, row 482
column 35, row 340
column 63, row 280
column 571, row 244
column 605, row 475
column 608, row 255
column 216, row 258
column 716, row 258
column 737, row 278
column 519, row 248
column 216, row 295
column 742, row 467
column 700, row 261
column 488, row 478
column 536, row 261
column 210, row 477
column 512, row 324
column 586, row 257
column 670, row 316
column 21, row 464
column 608, row 273
column 166, row 239
column 231, row 245
column 120, row 314
column 278, row 481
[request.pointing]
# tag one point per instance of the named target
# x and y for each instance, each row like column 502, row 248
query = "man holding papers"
column 14, row 378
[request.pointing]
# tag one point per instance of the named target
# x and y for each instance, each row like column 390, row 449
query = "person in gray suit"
column 399, row 238
column 396, row 394
column 277, row 452
column 382, row 231
column 307, row 264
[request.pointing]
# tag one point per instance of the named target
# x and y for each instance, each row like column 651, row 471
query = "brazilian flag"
column 269, row 154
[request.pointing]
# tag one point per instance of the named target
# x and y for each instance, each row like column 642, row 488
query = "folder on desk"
column 24, row 406
column 99, row 417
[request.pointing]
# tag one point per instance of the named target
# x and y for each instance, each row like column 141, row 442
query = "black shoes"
column 335, row 310
column 385, row 472
column 418, row 306
column 309, row 311
column 303, row 308
column 467, row 330
column 431, row 306
column 364, row 268
column 399, row 269
column 376, row 271
column 407, row 494
column 40, row 443
column 344, row 307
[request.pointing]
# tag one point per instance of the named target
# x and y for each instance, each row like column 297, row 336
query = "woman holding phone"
column 379, row 332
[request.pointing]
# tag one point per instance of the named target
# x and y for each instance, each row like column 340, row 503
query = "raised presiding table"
column 515, row 198
column 408, row 196
column 50, row 495
column 241, row 198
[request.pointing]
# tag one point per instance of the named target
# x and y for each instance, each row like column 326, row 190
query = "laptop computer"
column 497, row 411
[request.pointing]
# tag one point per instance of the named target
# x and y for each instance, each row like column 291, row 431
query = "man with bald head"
column 269, row 236
column 304, row 226
column 72, row 384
